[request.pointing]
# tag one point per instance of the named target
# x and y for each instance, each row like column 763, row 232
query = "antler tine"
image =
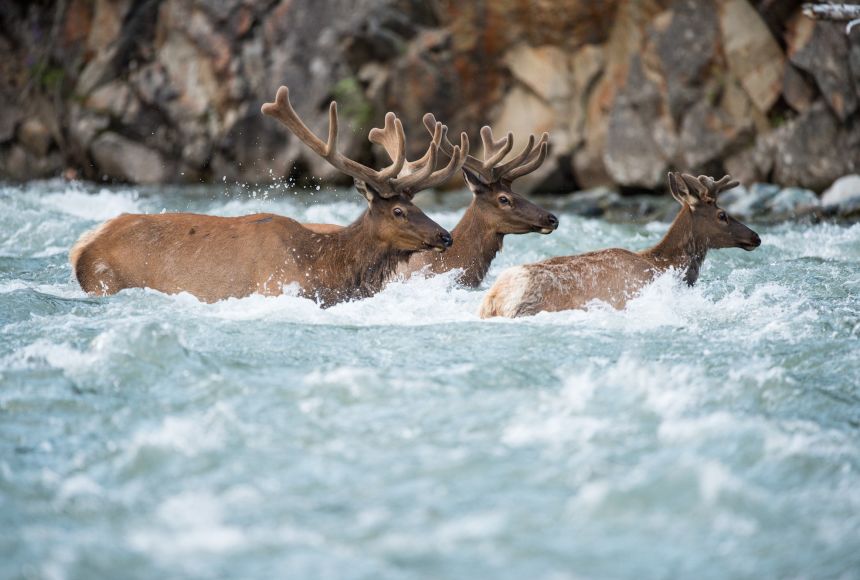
column 495, row 151
column 283, row 111
column 715, row 187
column 458, row 157
column 438, row 131
column 693, row 184
column 517, row 159
column 393, row 139
column 469, row 161
column 411, row 182
column 426, row 177
column 533, row 163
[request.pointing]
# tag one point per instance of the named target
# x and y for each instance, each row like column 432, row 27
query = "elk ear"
column 697, row 193
column 474, row 182
column 676, row 189
column 366, row 190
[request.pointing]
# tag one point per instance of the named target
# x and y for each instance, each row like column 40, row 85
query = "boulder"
column 113, row 99
column 814, row 150
column 20, row 164
column 632, row 156
column 751, row 52
column 524, row 113
column 792, row 202
column 843, row 197
column 593, row 202
column 35, row 136
column 120, row 158
column 821, row 49
column 749, row 202
column 706, row 135
column 545, row 70
column 685, row 46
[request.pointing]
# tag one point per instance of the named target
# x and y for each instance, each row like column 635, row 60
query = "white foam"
column 187, row 524
column 95, row 207
column 412, row 302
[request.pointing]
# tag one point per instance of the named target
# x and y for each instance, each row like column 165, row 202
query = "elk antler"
column 714, row 188
column 384, row 181
column 490, row 169
column 414, row 176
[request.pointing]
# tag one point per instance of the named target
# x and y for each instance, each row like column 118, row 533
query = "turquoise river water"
column 705, row 432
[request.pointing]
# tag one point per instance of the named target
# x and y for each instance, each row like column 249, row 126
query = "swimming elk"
column 616, row 275
column 495, row 211
column 218, row 257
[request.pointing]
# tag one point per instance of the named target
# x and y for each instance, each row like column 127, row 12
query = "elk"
column 215, row 258
column 616, row 275
column 494, row 212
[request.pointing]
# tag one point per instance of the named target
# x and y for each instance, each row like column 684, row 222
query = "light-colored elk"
column 219, row 257
column 616, row 275
column 494, row 212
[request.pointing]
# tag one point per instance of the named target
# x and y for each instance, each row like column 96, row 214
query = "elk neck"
column 476, row 243
column 355, row 263
column 679, row 248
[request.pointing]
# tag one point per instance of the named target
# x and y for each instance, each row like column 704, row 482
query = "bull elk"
column 615, row 275
column 495, row 211
column 219, row 257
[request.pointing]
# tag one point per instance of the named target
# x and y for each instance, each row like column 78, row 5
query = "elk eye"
column 503, row 199
column 723, row 217
column 398, row 212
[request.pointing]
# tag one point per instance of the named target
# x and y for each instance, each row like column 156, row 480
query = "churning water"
column 706, row 432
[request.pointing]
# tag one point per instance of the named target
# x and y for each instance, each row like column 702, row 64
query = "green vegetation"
column 351, row 101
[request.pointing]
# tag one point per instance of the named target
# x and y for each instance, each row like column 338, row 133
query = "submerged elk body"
column 219, row 257
column 615, row 275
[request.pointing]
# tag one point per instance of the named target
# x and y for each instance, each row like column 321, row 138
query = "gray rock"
column 10, row 115
column 825, row 56
column 814, row 150
column 19, row 164
column 593, row 202
column 749, row 202
column 35, row 136
column 685, row 49
column 632, row 156
column 792, row 202
column 843, row 197
column 706, row 134
column 120, row 158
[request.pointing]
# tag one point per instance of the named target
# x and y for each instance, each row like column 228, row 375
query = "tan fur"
column 323, row 228
column 85, row 239
column 217, row 257
column 616, row 275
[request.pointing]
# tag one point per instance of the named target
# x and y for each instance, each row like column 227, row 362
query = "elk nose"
column 756, row 240
column 446, row 239
column 552, row 221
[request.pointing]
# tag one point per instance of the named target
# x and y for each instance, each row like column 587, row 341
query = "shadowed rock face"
column 628, row 89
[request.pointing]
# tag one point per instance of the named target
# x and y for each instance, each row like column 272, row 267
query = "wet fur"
column 613, row 276
column 217, row 257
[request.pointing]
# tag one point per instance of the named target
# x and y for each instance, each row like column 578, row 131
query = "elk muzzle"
column 752, row 244
column 550, row 224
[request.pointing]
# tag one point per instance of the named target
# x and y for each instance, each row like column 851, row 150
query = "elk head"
column 396, row 221
column 711, row 223
column 490, row 181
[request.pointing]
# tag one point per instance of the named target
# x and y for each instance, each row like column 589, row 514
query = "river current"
column 707, row 432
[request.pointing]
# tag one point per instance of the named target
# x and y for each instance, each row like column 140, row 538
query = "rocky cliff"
column 170, row 90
